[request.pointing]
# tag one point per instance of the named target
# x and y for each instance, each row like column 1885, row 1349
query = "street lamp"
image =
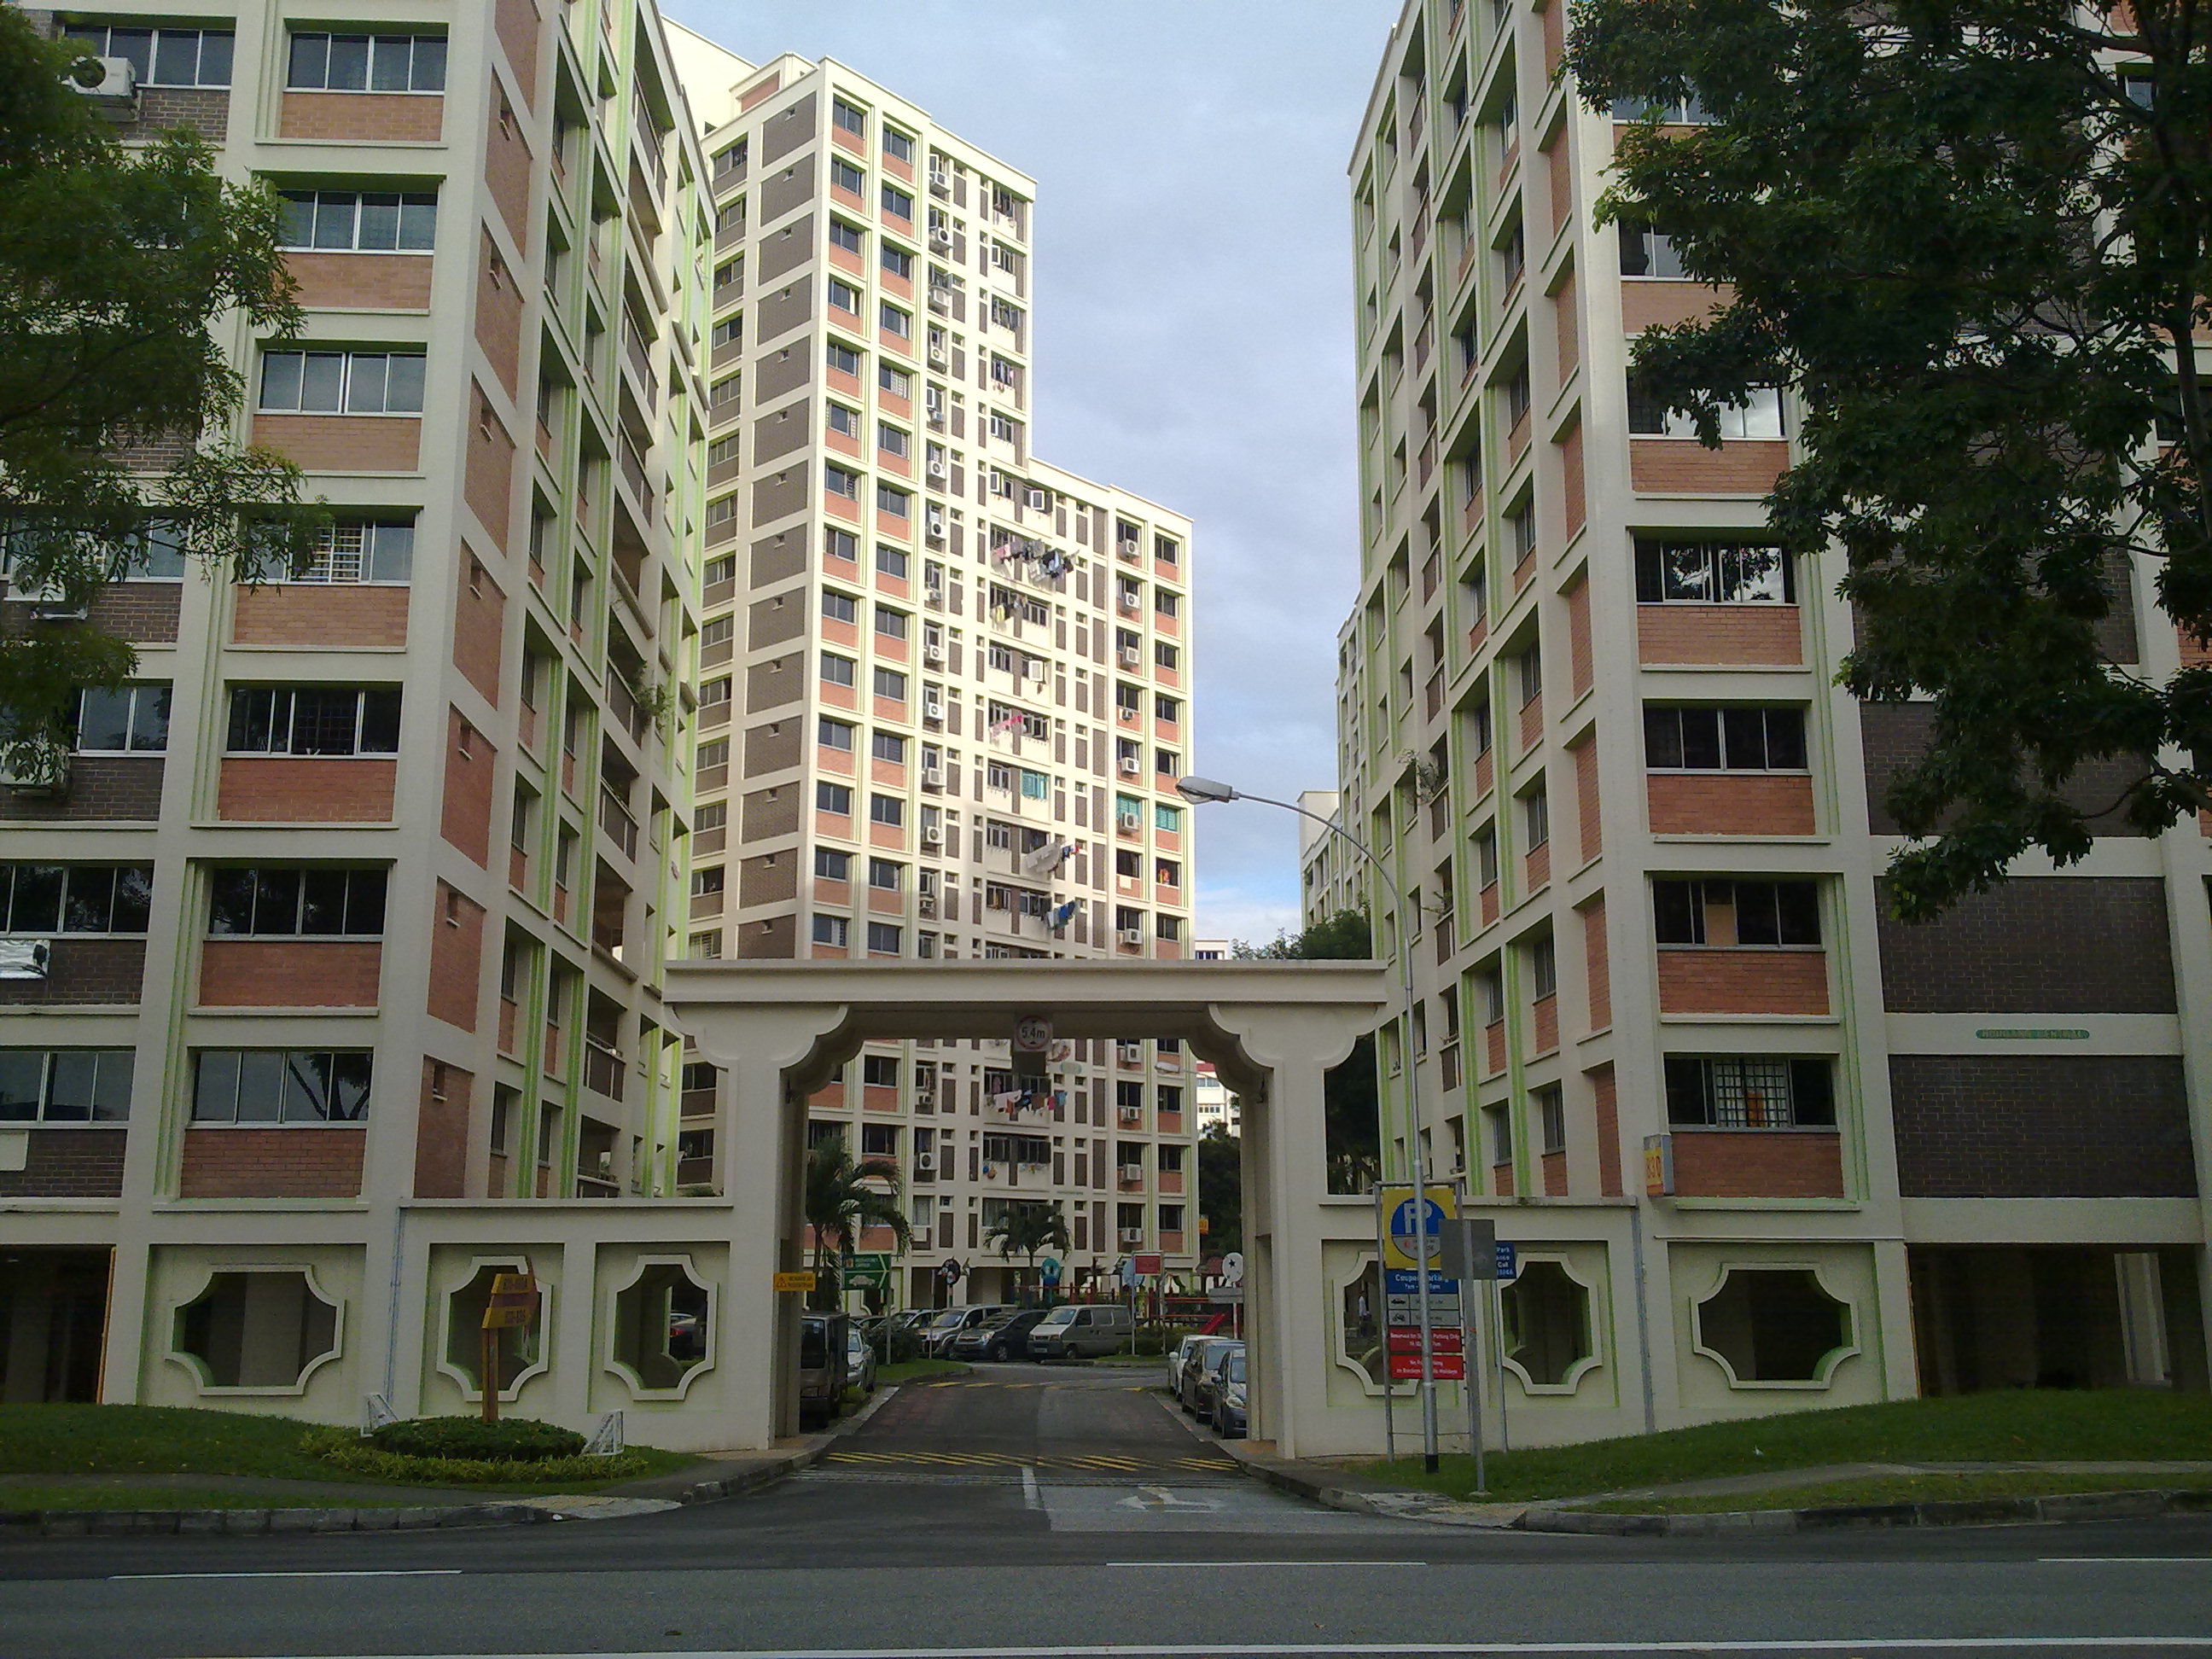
column 1202, row 791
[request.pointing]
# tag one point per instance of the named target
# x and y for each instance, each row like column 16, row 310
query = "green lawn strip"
column 906, row 1369
column 2011, row 1427
column 18, row 1498
column 1896, row 1489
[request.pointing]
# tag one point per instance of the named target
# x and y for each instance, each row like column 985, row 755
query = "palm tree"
column 840, row 1202
column 1026, row 1230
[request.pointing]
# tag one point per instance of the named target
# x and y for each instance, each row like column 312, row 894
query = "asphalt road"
column 1068, row 1511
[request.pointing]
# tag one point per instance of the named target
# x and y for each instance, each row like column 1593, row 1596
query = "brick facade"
column 506, row 169
column 1697, row 981
column 314, row 615
column 290, row 973
column 306, row 789
column 81, row 971
column 1682, row 466
column 2056, row 945
column 145, row 613
column 499, row 313
column 375, row 118
column 456, row 959
column 1605, row 1103
column 68, row 1163
column 441, row 1132
column 1758, row 1163
column 1730, row 804
column 479, row 629
column 361, row 281
column 344, row 443
column 101, row 788
column 311, row 1161
column 2074, row 1126
column 470, row 763
column 488, row 480
column 1724, row 636
column 1895, row 735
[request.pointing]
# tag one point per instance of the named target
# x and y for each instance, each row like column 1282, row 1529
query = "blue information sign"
column 1404, row 1281
column 1509, row 1261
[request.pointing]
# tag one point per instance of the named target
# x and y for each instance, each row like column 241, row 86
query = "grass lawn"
column 906, row 1369
column 2053, row 1423
column 1899, row 1489
column 156, row 1440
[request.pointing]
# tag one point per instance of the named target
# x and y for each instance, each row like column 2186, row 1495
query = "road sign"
column 1509, row 1261
column 513, row 1302
column 1147, row 1264
column 1406, row 1228
column 1032, row 1034
column 1232, row 1268
column 952, row 1273
column 1466, row 1247
column 1406, row 1310
column 1404, row 1281
column 869, row 1270
column 797, row 1281
column 1442, row 1367
column 1226, row 1296
column 1658, row 1166
column 1048, row 1270
column 1445, row 1338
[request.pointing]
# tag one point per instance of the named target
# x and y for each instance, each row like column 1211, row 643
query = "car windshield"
column 1059, row 1317
column 1234, row 1370
column 951, row 1318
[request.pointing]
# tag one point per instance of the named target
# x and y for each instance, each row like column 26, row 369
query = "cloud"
column 1193, row 306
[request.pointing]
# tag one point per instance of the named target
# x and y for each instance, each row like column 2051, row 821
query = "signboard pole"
column 1382, row 1326
column 488, row 1370
column 1469, row 1330
column 1498, row 1345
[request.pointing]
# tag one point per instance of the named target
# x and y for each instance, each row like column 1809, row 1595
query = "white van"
column 1081, row 1333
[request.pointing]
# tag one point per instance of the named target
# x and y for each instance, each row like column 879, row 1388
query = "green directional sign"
column 870, row 1270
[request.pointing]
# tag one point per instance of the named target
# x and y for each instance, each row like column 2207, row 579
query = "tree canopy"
column 1975, row 239
column 120, row 266
column 842, row 1199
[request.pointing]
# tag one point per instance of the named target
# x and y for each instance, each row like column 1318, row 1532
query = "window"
column 1713, row 572
column 849, row 237
column 342, row 382
column 891, row 440
column 1537, row 807
column 1486, row 857
column 704, row 882
column 887, row 810
column 833, row 798
column 885, row 873
column 1649, row 418
column 280, row 1085
column 725, row 391
column 889, row 684
column 1543, row 968
column 849, row 117
column 731, row 273
column 884, row 939
column 720, row 570
column 831, row 865
column 161, row 58
column 1726, row 912
column 892, row 624
column 1681, row 113
column 360, row 550
column 1165, row 655
column 1648, row 252
column 1552, row 1116
column 832, row 930
column 1501, row 1133
column 1167, row 819
column 836, row 670
column 844, row 297
column 1735, row 739
column 1530, row 664
column 1749, row 1091
column 895, row 382
column 840, row 545
column 897, row 204
column 842, row 481
column 278, row 902
column 839, row 607
column 897, row 262
column 1167, row 763
column 899, row 145
column 842, row 358
column 888, row 746
column 313, row 719
column 710, row 755
column 368, row 63
column 359, row 221
column 123, row 720
column 890, row 561
column 893, row 501
column 65, row 1086
column 41, row 899
column 718, row 631
column 834, row 735
column 843, row 176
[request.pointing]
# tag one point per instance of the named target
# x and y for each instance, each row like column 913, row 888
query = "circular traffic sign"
column 952, row 1273
column 1232, row 1268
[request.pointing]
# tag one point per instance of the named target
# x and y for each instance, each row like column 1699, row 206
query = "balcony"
column 602, row 1069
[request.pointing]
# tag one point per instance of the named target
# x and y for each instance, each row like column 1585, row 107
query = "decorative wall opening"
column 1547, row 1325
column 263, row 1329
column 1774, row 1326
column 518, row 1351
column 1360, row 1324
column 663, row 1327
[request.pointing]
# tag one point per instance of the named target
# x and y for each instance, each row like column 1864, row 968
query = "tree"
column 842, row 1201
column 1976, row 240
column 1350, row 1097
column 116, row 265
column 1221, row 1190
column 1027, row 1229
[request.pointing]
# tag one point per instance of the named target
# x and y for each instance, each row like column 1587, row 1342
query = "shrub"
column 347, row 1450
column 510, row 1440
column 896, row 1346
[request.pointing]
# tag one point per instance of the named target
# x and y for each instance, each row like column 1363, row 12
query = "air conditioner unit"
column 933, row 777
column 31, row 768
column 940, row 239
column 932, row 653
column 936, row 525
column 1133, row 1114
column 1129, row 764
column 1130, row 656
column 924, row 1163
column 940, row 301
column 934, row 713
column 1132, row 1172
column 115, row 93
column 1127, row 820
column 933, row 839
column 1132, row 1235
column 940, row 182
column 1127, row 547
column 939, row 470
column 1133, row 936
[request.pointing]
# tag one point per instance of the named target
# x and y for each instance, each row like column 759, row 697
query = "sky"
column 1194, row 321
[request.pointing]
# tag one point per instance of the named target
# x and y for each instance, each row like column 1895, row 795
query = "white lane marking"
column 1159, row 1650
column 2100, row 1560
column 1267, row 1564
column 382, row 1572
column 1031, row 1497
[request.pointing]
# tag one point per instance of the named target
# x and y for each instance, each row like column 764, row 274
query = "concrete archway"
column 778, row 1030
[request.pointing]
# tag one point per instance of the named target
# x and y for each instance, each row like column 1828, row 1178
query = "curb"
column 143, row 1524
column 768, row 1471
column 1956, row 1512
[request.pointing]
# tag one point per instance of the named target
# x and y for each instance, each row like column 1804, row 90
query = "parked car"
column 824, row 1340
column 1185, row 1349
column 1229, row 1418
column 999, row 1340
column 1188, row 1394
column 1071, row 1331
column 937, row 1336
column 860, row 1360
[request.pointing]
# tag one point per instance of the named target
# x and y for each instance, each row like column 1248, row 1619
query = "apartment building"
column 1762, row 1148
column 341, row 933
column 945, row 685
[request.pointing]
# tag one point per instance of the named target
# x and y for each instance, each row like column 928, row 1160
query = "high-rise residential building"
column 347, row 920
column 946, row 686
column 1761, row 1147
column 1326, row 888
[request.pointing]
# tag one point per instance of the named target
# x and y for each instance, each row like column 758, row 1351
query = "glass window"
column 884, row 939
column 896, row 502
column 897, row 204
column 360, row 550
column 368, row 63
column 849, row 117
column 897, row 145
column 892, row 561
column 1760, row 417
column 833, row 798
column 831, row 865
column 849, row 237
column 1750, row 1091
column 836, row 670
column 162, row 58
column 1715, row 572
column 843, row 176
column 834, row 735
column 358, row 221
column 885, row 874
column 888, row 810
column 342, row 382
column 314, row 719
column 1736, row 739
column 897, row 262
column 123, row 720
column 843, row 296
column 42, row 899
column 892, row 624
column 888, row 746
column 65, row 1086
column 280, row 1085
column 832, row 930
column 889, row 684
column 281, row 903
column 838, row 607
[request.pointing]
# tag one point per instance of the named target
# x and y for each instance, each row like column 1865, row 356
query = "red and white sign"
column 1147, row 1264
column 1443, row 1339
column 1442, row 1367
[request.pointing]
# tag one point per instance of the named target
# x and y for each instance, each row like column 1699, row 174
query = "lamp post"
column 1201, row 792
